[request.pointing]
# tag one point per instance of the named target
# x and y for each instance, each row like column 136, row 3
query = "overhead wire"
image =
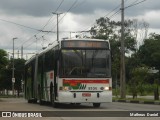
column 52, row 15
column 118, row 11
column 58, row 22
column 71, row 7
column 62, row 17
column 132, row 4
column 49, row 21
column 43, row 26
column 79, row 4
column 135, row 4
column 68, row 10
column 20, row 25
column 118, row 6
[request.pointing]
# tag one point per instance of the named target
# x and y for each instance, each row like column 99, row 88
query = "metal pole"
column 21, row 52
column 13, row 79
column 122, row 73
column 70, row 34
column 57, row 25
column 18, row 54
column 57, row 29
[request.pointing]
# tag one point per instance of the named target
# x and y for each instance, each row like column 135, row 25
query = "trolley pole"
column 122, row 69
column 13, row 78
column 57, row 25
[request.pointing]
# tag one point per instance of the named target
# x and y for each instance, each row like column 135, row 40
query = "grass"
column 136, row 99
column 9, row 96
column 117, row 92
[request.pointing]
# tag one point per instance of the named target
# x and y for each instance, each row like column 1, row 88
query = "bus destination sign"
column 85, row 44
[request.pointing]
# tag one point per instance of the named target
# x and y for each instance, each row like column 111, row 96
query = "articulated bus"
column 73, row 71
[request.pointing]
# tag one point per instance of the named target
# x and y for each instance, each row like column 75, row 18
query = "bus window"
column 85, row 63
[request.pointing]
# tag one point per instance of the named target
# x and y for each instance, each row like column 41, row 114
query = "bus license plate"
column 86, row 94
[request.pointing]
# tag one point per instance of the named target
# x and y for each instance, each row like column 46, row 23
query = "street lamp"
column 13, row 78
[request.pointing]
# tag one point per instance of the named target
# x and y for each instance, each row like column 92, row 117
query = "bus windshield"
column 85, row 63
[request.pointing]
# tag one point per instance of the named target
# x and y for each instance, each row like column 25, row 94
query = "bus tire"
column 29, row 101
column 41, row 102
column 52, row 97
column 53, row 103
column 96, row 105
column 78, row 103
column 35, row 100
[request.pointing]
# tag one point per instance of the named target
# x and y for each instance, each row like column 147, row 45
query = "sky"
column 22, row 19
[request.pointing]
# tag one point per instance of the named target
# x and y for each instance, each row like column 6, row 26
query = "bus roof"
column 88, row 39
column 53, row 46
column 85, row 43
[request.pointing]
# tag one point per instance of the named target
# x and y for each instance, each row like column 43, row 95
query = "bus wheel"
column 41, row 102
column 96, row 105
column 29, row 101
column 35, row 100
column 53, row 103
column 78, row 103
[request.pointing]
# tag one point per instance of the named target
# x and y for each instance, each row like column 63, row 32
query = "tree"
column 3, row 66
column 156, row 89
column 3, row 59
column 19, row 74
column 132, row 62
column 139, row 76
column 149, row 54
column 110, row 30
column 6, row 73
column 6, row 79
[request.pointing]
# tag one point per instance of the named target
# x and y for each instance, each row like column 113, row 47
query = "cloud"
column 28, row 7
column 151, row 17
column 46, row 7
column 35, row 13
column 142, row 8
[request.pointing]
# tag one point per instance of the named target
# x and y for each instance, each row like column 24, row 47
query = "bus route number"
column 92, row 88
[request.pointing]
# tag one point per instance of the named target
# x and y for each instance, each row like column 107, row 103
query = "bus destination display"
column 85, row 44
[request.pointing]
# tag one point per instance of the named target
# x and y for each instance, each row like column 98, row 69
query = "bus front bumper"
column 85, row 97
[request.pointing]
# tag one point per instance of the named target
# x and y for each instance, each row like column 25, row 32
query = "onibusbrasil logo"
column 21, row 114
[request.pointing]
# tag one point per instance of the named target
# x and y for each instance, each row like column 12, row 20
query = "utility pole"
column 26, row 57
column 8, row 55
column 122, row 69
column 70, row 34
column 36, row 42
column 13, row 78
column 18, row 54
column 57, row 25
column 22, row 52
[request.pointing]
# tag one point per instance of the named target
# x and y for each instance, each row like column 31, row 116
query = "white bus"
column 73, row 71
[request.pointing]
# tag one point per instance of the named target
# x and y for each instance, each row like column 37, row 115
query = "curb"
column 137, row 101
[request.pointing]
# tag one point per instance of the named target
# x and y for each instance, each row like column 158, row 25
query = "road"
column 19, row 104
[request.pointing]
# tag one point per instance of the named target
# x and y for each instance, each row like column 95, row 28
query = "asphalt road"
column 84, row 111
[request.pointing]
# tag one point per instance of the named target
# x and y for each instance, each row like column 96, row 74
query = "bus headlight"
column 106, row 88
column 66, row 88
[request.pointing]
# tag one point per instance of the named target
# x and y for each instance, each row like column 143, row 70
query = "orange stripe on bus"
column 84, row 81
